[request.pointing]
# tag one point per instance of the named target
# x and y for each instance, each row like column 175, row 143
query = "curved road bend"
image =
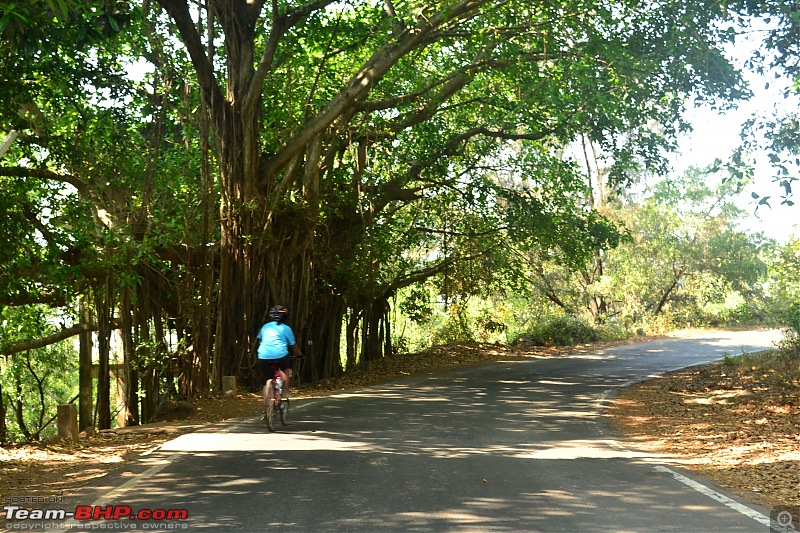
column 514, row 446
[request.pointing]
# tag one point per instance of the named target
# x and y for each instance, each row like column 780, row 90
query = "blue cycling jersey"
column 275, row 340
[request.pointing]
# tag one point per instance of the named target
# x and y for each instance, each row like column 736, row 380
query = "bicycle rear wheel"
column 269, row 409
column 284, row 412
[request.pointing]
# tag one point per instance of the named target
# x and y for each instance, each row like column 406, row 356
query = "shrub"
column 791, row 335
column 456, row 328
column 564, row 331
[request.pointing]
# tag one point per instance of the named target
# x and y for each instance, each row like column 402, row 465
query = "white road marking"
column 736, row 506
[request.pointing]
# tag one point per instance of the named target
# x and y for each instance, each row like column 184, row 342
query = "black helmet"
column 279, row 314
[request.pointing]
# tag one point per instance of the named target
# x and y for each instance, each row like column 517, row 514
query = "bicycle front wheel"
column 284, row 412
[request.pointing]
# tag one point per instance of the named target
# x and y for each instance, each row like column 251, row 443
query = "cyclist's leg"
column 266, row 374
column 270, row 394
column 269, row 406
column 286, row 368
column 284, row 389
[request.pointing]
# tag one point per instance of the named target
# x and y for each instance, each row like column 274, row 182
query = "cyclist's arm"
column 295, row 351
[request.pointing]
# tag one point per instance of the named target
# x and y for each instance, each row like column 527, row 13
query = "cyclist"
column 277, row 343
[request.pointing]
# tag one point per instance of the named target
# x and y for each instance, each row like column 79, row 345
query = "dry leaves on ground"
column 734, row 421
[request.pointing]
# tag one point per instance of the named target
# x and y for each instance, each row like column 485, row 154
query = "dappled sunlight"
column 249, row 442
column 550, row 509
column 586, row 449
column 427, row 399
column 452, row 516
column 501, row 448
column 371, row 394
column 599, row 356
column 562, row 413
column 235, row 482
column 718, row 397
column 508, row 447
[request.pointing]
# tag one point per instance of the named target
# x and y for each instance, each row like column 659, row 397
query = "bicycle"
column 274, row 401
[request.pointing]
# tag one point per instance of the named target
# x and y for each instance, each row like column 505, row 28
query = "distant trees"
column 682, row 251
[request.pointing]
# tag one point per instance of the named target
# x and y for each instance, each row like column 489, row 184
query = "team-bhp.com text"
column 95, row 512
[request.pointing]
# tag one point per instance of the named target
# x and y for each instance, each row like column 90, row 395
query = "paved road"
column 515, row 446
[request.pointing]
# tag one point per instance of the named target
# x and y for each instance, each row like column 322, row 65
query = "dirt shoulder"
column 739, row 428
column 735, row 421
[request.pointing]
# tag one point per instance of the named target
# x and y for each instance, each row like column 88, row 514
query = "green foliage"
column 491, row 319
column 687, row 257
column 417, row 305
column 784, row 274
column 37, row 380
column 729, row 360
column 735, row 310
column 776, row 134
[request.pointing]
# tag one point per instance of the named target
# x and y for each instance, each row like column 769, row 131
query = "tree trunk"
column 243, row 244
column 104, row 310
column 352, row 340
column 324, row 331
column 19, row 409
column 85, row 381
column 196, row 354
column 127, row 374
column 3, row 426
column 40, row 388
column 266, row 258
column 268, row 202
column 373, row 339
column 203, row 326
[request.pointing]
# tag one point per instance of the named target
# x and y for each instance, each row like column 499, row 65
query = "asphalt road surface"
column 513, row 446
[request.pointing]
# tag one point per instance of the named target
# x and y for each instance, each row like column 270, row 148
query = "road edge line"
column 761, row 518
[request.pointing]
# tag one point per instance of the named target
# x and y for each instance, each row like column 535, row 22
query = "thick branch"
column 393, row 190
column 366, row 77
column 660, row 305
column 84, row 188
column 25, row 298
column 64, row 334
column 422, row 275
column 179, row 11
